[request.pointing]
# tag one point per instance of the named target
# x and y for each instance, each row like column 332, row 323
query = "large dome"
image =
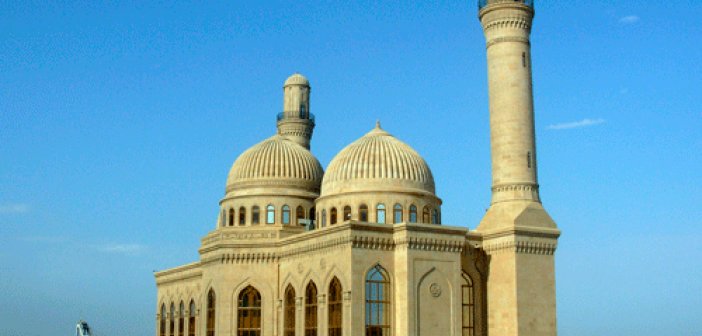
column 378, row 162
column 276, row 162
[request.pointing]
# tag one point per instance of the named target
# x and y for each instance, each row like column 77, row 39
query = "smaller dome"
column 297, row 79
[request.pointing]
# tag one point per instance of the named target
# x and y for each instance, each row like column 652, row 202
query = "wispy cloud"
column 629, row 19
column 124, row 249
column 43, row 239
column 14, row 208
column 576, row 124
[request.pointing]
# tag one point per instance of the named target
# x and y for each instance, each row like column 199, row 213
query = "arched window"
column 347, row 213
column 231, row 217
column 332, row 216
column 377, row 302
column 162, row 325
column 191, row 319
column 289, row 312
column 286, row 215
column 425, row 215
column 181, row 319
column 435, row 216
column 299, row 214
column 468, row 305
column 397, row 213
column 171, row 325
column 255, row 215
column 413, row 213
column 311, row 310
column 334, row 306
column 211, row 313
column 313, row 217
column 324, row 217
column 363, row 213
column 242, row 216
column 380, row 213
column 249, row 315
column 270, row 214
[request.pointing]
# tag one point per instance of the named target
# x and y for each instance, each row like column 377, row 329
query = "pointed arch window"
column 270, row 214
column 380, row 213
column 332, row 216
column 299, row 214
column 181, row 319
column 468, row 305
column 249, row 313
column 289, row 313
column 425, row 215
column 242, row 216
column 311, row 310
column 397, row 213
column 172, row 319
column 413, row 214
column 211, row 303
column 435, row 216
column 286, row 214
column 363, row 213
column 162, row 325
column 347, row 213
column 335, row 306
column 191, row 319
column 231, row 217
column 255, row 215
column 377, row 302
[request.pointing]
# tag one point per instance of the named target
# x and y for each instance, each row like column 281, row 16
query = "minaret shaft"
column 296, row 122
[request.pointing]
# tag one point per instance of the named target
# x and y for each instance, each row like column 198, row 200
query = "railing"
column 483, row 3
column 295, row 115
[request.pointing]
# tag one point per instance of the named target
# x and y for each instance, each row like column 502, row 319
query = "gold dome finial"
column 377, row 123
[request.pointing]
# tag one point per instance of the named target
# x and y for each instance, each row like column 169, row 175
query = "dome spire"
column 377, row 123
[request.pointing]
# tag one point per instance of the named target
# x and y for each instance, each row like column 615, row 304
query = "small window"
column 468, row 305
column 413, row 214
column 347, row 213
column 270, row 214
column 191, row 319
column 210, row 313
column 255, row 215
column 249, row 312
column 524, row 60
column 299, row 214
column 172, row 320
column 528, row 159
column 334, row 307
column 435, row 217
column 425, row 215
column 332, row 216
column 286, row 215
column 311, row 310
column 397, row 213
column 324, row 218
column 363, row 213
column 181, row 319
column 162, row 325
column 380, row 213
column 289, row 312
column 378, row 314
column 231, row 217
column 242, row 216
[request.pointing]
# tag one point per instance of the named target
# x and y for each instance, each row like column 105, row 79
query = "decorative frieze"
column 515, row 22
column 523, row 247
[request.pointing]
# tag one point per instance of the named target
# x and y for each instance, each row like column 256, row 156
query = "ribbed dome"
column 276, row 161
column 296, row 79
column 375, row 162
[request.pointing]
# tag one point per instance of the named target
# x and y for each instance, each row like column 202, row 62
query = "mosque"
column 360, row 249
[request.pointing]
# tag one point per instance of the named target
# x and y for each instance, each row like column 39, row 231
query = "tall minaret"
column 296, row 122
column 518, row 234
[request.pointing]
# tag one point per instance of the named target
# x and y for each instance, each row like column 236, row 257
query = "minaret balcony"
column 293, row 115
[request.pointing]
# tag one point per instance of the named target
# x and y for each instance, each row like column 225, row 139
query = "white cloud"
column 576, row 124
column 629, row 19
column 125, row 249
column 14, row 208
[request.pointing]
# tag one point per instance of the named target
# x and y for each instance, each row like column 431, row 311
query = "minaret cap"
column 297, row 79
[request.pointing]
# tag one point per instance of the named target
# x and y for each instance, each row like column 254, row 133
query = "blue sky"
column 119, row 123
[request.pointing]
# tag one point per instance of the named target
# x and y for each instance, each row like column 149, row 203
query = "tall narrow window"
column 324, row 217
column 528, row 159
column 435, row 217
column 242, row 216
column 181, row 319
column 468, row 306
column 332, row 216
column 249, row 314
column 255, row 215
column 191, row 319
column 231, row 217
column 299, row 214
column 334, row 306
column 363, row 213
column 286, row 215
column 313, row 213
column 311, row 310
column 270, row 214
column 397, row 213
column 211, row 313
column 425, row 215
column 413, row 214
column 524, row 59
column 171, row 325
column 162, row 325
column 347, row 213
column 289, row 318
column 380, row 213
column 377, row 302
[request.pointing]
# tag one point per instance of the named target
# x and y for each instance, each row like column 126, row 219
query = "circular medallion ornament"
column 435, row 290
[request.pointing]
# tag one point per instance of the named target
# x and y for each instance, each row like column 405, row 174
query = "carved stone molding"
column 431, row 244
column 516, row 187
column 522, row 247
column 515, row 22
column 496, row 40
column 248, row 258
